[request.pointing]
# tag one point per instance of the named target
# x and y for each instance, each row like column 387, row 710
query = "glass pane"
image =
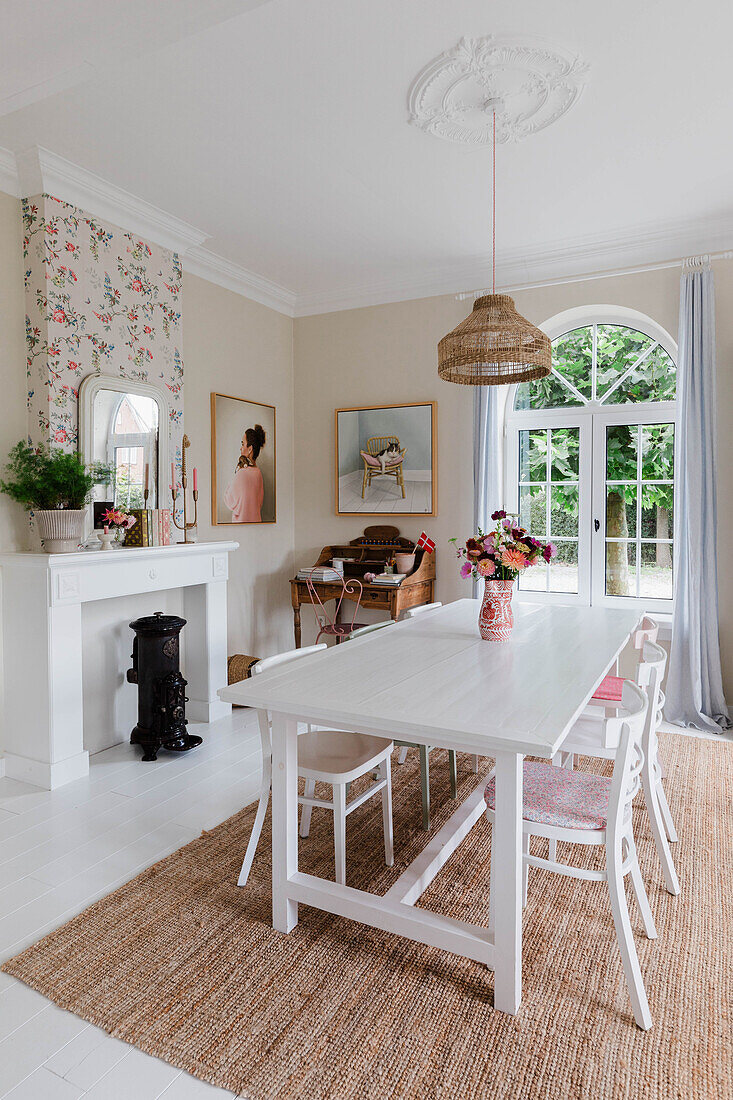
column 533, row 510
column 617, row 348
column 572, row 358
column 565, row 444
column 657, row 514
column 621, row 511
column 129, row 477
column 657, row 452
column 533, row 455
column 620, row 569
column 564, row 568
column 546, row 393
column 534, row 579
column 654, row 380
column 564, row 511
column 622, row 441
column 656, row 571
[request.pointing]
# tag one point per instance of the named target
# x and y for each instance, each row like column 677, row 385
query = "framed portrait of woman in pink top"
column 243, row 467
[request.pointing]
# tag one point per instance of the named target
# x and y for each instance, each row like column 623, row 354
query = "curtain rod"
column 691, row 261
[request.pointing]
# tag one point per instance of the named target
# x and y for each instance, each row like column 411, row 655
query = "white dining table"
column 432, row 680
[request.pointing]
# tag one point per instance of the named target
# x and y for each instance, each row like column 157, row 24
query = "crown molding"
column 43, row 172
column 207, row 265
column 631, row 250
column 591, row 257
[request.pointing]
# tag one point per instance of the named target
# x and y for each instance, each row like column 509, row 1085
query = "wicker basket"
column 239, row 667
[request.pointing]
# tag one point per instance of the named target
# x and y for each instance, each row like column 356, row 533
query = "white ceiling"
column 279, row 129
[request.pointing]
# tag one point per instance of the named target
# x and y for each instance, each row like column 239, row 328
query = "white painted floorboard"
column 59, row 852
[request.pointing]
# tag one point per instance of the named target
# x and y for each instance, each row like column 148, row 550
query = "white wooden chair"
column 326, row 756
column 609, row 689
column 594, row 735
column 411, row 612
column 578, row 808
column 370, row 628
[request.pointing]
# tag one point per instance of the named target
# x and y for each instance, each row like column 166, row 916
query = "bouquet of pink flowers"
column 504, row 552
column 115, row 518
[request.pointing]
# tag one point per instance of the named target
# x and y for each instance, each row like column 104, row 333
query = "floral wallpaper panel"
column 98, row 301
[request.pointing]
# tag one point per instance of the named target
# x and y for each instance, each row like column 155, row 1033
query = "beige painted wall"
column 13, row 420
column 386, row 354
column 234, row 346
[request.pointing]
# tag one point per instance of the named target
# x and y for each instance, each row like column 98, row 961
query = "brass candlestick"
column 185, row 526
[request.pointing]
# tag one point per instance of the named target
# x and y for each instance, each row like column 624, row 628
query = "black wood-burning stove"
column 161, row 690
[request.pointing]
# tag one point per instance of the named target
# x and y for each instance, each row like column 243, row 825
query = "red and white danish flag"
column 426, row 544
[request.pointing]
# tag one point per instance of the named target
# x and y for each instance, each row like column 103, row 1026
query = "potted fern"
column 55, row 486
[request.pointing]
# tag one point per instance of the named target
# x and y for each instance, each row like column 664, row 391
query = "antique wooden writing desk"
column 370, row 553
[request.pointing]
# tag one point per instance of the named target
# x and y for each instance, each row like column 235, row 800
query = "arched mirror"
column 124, row 425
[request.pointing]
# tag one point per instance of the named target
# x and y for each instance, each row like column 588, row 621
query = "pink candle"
column 147, row 474
column 173, row 478
column 106, row 529
column 195, row 479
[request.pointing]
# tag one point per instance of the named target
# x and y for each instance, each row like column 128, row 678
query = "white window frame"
column 592, row 419
column 560, row 418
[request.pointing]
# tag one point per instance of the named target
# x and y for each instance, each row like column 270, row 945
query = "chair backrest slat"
column 413, row 611
column 629, row 755
column 377, row 443
column 370, row 628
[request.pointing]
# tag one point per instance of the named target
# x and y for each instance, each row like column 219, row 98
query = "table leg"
column 296, row 625
column 507, row 887
column 284, row 820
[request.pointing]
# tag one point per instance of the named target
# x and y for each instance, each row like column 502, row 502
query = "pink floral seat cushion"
column 610, row 689
column 555, row 796
column 371, row 460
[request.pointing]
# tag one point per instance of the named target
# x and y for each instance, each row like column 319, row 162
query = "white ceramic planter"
column 61, row 530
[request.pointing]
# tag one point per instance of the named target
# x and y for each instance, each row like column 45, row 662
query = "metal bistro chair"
column 373, row 467
column 326, row 756
column 578, row 808
column 330, row 625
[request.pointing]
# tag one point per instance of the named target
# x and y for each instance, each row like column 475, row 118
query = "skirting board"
column 207, row 710
column 42, row 774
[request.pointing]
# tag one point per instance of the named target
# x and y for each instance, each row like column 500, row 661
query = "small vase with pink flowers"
column 499, row 557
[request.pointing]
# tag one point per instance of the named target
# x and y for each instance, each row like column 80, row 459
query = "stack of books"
column 153, row 527
column 321, row 574
column 389, row 578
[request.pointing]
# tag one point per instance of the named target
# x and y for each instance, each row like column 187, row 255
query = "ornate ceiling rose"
column 529, row 85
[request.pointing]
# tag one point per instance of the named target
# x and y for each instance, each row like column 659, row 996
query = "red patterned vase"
column 495, row 619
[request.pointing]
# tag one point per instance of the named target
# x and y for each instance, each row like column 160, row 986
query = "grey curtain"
column 694, row 683
column 487, row 456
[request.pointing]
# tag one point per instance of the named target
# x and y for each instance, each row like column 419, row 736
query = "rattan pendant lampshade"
column 494, row 346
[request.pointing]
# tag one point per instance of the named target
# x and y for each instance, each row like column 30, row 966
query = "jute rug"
column 186, row 966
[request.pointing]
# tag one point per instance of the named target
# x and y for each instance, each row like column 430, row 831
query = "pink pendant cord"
column 493, row 211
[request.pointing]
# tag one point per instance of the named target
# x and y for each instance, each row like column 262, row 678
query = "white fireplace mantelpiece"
column 42, row 732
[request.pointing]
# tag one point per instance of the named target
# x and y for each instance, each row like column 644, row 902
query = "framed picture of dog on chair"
column 386, row 460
